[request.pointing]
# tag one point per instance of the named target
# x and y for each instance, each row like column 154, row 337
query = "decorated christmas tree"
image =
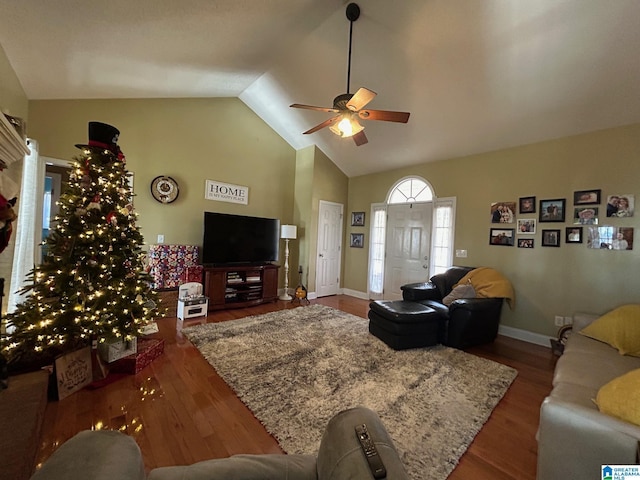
column 92, row 284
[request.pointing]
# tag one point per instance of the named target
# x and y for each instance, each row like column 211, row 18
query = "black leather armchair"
column 467, row 321
column 422, row 319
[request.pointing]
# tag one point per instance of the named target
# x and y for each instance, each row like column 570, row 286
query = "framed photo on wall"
column 526, row 226
column 552, row 210
column 357, row 219
column 503, row 212
column 620, row 205
column 550, row 238
column 573, row 235
column 585, row 216
column 502, row 236
column 610, row 238
column 586, row 197
column 525, row 243
column 527, row 205
column 357, row 240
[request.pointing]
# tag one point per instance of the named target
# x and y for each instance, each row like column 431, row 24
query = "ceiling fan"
column 349, row 107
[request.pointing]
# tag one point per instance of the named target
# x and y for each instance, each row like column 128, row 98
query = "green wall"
column 331, row 185
column 191, row 140
column 548, row 281
column 317, row 178
column 303, row 217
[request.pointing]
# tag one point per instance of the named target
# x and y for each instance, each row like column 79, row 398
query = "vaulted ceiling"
column 476, row 75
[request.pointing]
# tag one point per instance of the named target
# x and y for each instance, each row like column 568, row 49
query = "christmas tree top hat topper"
column 104, row 136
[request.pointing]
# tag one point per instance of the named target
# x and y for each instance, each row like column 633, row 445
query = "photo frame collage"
column 594, row 221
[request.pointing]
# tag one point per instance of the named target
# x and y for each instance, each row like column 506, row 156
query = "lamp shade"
column 288, row 231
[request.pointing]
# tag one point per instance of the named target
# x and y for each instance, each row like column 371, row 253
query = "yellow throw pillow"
column 621, row 397
column 620, row 328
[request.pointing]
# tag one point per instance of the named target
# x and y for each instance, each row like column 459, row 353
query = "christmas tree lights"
column 92, row 283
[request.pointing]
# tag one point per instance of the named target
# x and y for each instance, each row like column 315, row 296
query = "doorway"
column 329, row 248
column 411, row 238
column 408, row 246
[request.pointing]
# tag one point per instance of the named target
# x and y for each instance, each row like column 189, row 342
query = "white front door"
column 408, row 246
column 329, row 248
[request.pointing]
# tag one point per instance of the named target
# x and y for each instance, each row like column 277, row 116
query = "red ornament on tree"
column 95, row 202
column 111, row 218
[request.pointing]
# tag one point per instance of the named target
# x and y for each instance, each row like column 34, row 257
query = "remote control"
column 370, row 452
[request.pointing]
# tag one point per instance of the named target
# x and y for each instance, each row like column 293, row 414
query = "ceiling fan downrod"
column 353, row 13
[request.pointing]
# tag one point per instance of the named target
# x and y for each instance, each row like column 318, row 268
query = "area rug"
column 297, row 368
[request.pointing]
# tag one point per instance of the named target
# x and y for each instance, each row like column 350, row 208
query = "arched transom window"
column 409, row 190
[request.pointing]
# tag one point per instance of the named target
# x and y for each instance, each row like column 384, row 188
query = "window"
column 376, row 250
column 46, row 209
column 411, row 190
column 443, row 235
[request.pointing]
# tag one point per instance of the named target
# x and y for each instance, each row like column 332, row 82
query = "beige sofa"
column 574, row 438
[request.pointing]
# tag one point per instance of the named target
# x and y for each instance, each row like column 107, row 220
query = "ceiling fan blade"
column 360, row 99
column 384, row 115
column 311, row 107
column 360, row 138
column 320, row 126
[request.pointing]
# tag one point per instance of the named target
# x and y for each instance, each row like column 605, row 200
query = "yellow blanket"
column 489, row 283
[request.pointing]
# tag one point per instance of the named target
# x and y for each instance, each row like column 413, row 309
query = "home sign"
column 226, row 192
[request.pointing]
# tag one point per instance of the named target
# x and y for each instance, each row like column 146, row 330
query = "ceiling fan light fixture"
column 347, row 127
column 348, row 107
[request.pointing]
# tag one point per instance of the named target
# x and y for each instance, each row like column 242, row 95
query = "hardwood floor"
column 180, row 411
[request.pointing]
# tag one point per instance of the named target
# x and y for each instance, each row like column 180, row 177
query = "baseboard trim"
column 511, row 332
column 525, row 335
column 355, row 293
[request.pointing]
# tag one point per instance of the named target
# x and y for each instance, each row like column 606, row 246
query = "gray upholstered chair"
column 110, row 455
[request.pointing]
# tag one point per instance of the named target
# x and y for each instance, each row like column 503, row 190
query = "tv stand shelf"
column 237, row 286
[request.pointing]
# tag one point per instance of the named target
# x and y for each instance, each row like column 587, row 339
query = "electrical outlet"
column 568, row 320
column 160, row 238
column 559, row 320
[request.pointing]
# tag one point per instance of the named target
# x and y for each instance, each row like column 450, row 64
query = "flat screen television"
column 239, row 239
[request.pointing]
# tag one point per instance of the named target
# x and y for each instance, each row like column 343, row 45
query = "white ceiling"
column 476, row 75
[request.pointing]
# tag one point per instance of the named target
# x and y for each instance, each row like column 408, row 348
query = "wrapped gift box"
column 192, row 274
column 148, row 350
column 112, row 349
column 168, row 264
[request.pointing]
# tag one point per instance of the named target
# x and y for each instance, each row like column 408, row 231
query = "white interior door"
column 408, row 246
column 329, row 248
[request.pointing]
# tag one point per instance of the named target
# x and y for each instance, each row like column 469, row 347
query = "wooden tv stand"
column 237, row 286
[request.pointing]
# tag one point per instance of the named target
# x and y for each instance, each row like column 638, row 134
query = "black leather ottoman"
column 401, row 324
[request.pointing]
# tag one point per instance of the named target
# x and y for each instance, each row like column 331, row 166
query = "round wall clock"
column 164, row 189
